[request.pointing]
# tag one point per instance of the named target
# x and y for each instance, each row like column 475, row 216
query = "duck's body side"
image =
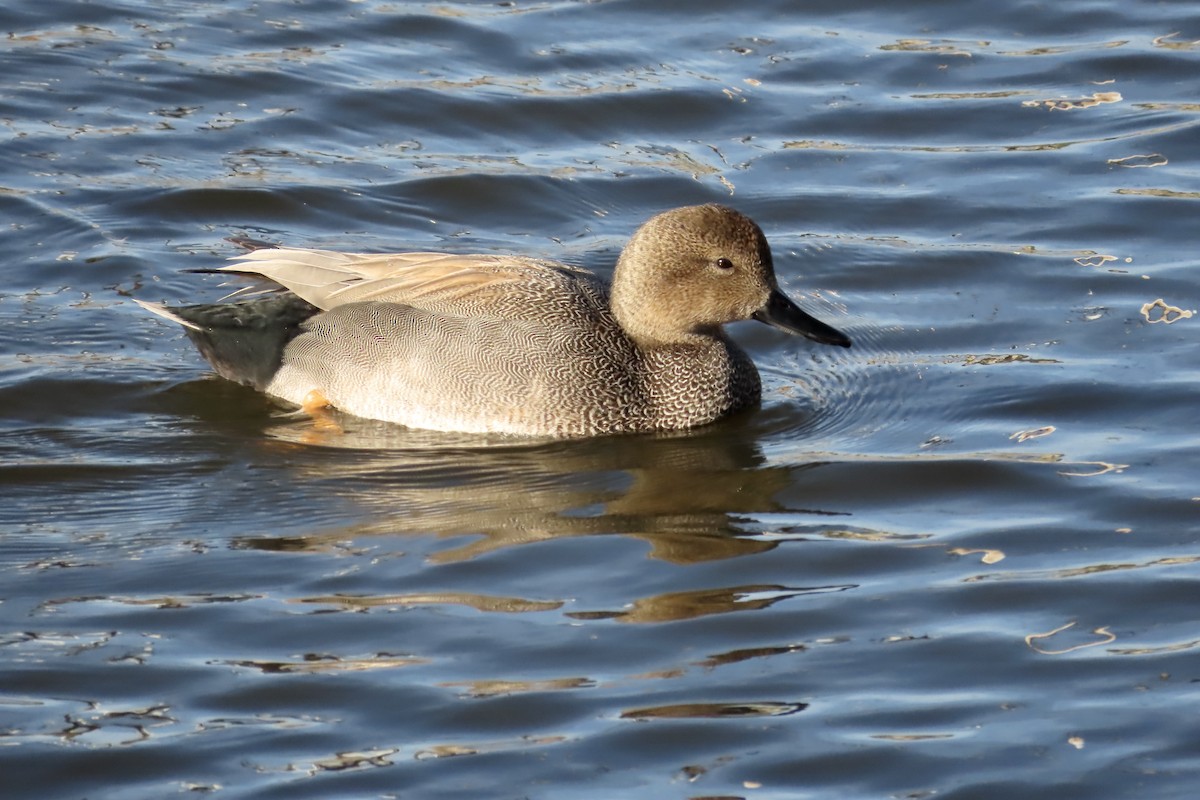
column 547, row 359
column 574, row 373
column 504, row 344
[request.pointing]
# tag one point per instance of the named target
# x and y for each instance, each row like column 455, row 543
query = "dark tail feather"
column 243, row 341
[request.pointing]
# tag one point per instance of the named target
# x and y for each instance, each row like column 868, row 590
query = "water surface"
column 958, row 560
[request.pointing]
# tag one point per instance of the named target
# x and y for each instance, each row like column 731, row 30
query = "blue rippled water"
column 957, row 561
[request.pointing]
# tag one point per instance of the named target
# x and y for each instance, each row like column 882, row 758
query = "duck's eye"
column 724, row 264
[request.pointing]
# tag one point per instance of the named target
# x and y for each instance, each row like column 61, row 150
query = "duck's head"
column 690, row 270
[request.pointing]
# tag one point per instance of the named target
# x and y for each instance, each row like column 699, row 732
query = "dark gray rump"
column 244, row 341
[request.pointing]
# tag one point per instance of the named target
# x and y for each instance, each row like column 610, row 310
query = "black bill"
column 782, row 313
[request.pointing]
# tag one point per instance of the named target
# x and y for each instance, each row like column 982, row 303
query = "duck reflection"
column 681, row 493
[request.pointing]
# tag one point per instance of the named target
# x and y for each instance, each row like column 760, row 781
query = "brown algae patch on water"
column 453, row 750
column 1170, row 194
column 989, row 556
column 971, row 360
column 478, row 602
column 1159, row 311
column 503, row 688
column 355, row 759
column 947, row 47
column 1096, row 99
column 1057, row 50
